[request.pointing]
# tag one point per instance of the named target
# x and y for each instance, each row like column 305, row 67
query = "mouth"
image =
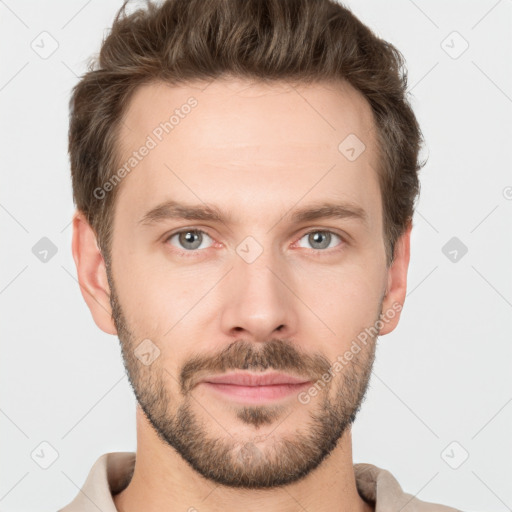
column 255, row 388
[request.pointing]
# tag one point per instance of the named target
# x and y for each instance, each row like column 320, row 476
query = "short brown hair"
column 185, row 41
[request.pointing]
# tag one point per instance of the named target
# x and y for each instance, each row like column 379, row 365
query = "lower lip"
column 256, row 394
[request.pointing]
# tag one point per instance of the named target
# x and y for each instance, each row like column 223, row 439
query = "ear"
column 92, row 274
column 397, row 283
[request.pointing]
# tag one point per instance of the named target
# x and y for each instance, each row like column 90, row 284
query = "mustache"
column 276, row 354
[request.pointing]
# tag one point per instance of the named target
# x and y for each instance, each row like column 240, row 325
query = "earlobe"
column 397, row 283
column 92, row 274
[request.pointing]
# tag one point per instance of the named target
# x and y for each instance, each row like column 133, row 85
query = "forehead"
column 235, row 113
column 234, row 139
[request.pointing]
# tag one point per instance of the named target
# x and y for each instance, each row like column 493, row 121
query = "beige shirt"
column 112, row 472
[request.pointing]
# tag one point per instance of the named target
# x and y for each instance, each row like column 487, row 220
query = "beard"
column 240, row 462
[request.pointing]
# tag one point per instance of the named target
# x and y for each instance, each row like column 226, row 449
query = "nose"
column 259, row 302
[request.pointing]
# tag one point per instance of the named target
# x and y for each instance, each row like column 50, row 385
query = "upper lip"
column 252, row 379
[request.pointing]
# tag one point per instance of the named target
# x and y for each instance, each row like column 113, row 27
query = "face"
column 246, row 241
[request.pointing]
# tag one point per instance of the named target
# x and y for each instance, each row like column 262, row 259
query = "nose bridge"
column 255, row 270
column 257, row 300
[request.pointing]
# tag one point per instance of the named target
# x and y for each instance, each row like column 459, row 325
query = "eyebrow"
column 175, row 210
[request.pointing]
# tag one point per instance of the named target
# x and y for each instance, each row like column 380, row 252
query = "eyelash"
column 315, row 252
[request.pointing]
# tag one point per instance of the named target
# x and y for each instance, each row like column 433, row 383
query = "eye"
column 321, row 239
column 192, row 240
column 189, row 239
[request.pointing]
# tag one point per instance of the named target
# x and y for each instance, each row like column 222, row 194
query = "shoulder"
column 379, row 486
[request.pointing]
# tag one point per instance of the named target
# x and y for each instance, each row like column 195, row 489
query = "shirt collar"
column 112, row 472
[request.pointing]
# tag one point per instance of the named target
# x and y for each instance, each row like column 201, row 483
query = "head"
column 276, row 138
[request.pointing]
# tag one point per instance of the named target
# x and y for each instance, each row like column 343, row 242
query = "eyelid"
column 323, row 230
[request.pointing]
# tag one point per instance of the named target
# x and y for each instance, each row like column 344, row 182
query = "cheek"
column 140, row 290
column 346, row 299
column 162, row 302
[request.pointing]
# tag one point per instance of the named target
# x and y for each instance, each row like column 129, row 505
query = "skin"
column 260, row 152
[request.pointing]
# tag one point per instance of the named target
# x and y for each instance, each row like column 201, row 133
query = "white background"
column 444, row 375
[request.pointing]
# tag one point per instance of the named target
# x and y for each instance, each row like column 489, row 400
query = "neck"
column 162, row 481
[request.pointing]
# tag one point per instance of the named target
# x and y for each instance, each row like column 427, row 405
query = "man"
column 274, row 137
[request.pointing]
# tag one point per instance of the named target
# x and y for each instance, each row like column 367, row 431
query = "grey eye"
column 189, row 239
column 320, row 239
